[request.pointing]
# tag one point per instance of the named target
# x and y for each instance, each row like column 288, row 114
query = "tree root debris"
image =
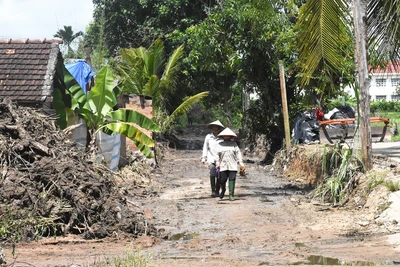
column 52, row 187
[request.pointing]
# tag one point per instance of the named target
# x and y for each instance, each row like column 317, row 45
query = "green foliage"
column 139, row 23
column 374, row 180
column 132, row 259
column 62, row 100
column 339, row 168
column 14, row 225
column 94, row 41
column 383, row 35
column 235, row 51
column 383, row 106
column 182, row 109
column 232, row 48
column 325, row 45
column 335, row 102
column 101, row 98
column 145, row 72
column 392, row 186
column 326, row 41
column 97, row 109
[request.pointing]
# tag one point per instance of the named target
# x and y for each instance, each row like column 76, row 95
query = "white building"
column 383, row 84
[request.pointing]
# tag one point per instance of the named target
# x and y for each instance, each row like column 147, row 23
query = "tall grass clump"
column 340, row 169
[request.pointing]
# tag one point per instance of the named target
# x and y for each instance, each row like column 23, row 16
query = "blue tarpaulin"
column 81, row 71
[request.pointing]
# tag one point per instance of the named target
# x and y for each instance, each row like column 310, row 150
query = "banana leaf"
column 59, row 107
column 134, row 117
column 146, row 150
column 183, row 108
column 130, row 131
column 79, row 98
column 101, row 98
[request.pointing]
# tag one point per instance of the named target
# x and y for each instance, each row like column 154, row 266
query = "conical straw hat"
column 227, row 132
column 217, row 123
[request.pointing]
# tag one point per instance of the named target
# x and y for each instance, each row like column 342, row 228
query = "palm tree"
column 146, row 72
column 323, row 24
column 68, row 36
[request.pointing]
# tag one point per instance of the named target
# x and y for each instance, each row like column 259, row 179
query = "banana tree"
column 97, row 109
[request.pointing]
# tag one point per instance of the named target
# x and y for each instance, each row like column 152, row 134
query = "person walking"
column 229, row 156
column 210, row 154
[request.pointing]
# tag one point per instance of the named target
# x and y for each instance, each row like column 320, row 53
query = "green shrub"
column 340, row 168
column 382, row 107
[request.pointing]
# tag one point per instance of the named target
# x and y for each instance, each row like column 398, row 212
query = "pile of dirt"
column 48, row 186
column 302, row 165
column 369, row 191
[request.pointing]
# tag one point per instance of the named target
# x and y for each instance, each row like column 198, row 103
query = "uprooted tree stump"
column 48, row 186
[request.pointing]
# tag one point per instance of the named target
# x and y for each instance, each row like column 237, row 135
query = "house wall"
column 383, row 87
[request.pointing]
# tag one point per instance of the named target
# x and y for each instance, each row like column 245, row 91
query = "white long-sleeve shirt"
column 210, row 148
column 229, row 156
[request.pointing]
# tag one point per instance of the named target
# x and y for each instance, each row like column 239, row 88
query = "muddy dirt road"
column 270, row 223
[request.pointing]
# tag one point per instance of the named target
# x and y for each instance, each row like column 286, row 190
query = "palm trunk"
column 363, row 141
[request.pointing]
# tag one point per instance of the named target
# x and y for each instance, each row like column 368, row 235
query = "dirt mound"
column 50, row 187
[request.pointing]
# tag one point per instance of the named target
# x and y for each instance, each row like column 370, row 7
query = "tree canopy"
column 231, row 49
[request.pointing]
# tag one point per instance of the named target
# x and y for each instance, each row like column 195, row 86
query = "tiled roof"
column 390, row 68
column 27, row 69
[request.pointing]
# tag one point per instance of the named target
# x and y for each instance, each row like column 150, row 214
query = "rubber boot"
column 223, row 189
column 212, row 182
column 231, row 190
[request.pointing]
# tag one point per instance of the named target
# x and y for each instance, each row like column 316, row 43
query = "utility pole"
column 284, row 105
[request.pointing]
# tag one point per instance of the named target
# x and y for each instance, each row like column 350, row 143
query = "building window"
column 395, row 82
column 380, row 82
column 380, row 97
column 395, row 97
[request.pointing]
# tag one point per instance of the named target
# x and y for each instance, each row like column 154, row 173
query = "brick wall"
column 146, row 109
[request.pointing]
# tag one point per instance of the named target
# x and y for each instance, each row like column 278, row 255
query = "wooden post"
column 284, row 105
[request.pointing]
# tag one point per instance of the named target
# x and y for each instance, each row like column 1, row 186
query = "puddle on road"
column 320, row 260
column 183, row 236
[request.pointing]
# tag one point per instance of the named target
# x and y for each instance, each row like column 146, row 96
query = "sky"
column 20, row 19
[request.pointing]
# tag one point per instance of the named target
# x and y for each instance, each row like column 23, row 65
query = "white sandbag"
column 109, row 149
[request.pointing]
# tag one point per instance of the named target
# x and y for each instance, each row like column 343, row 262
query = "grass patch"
column 392, row 186
column 132, row 259
column 384, row 207
column 375, row 179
